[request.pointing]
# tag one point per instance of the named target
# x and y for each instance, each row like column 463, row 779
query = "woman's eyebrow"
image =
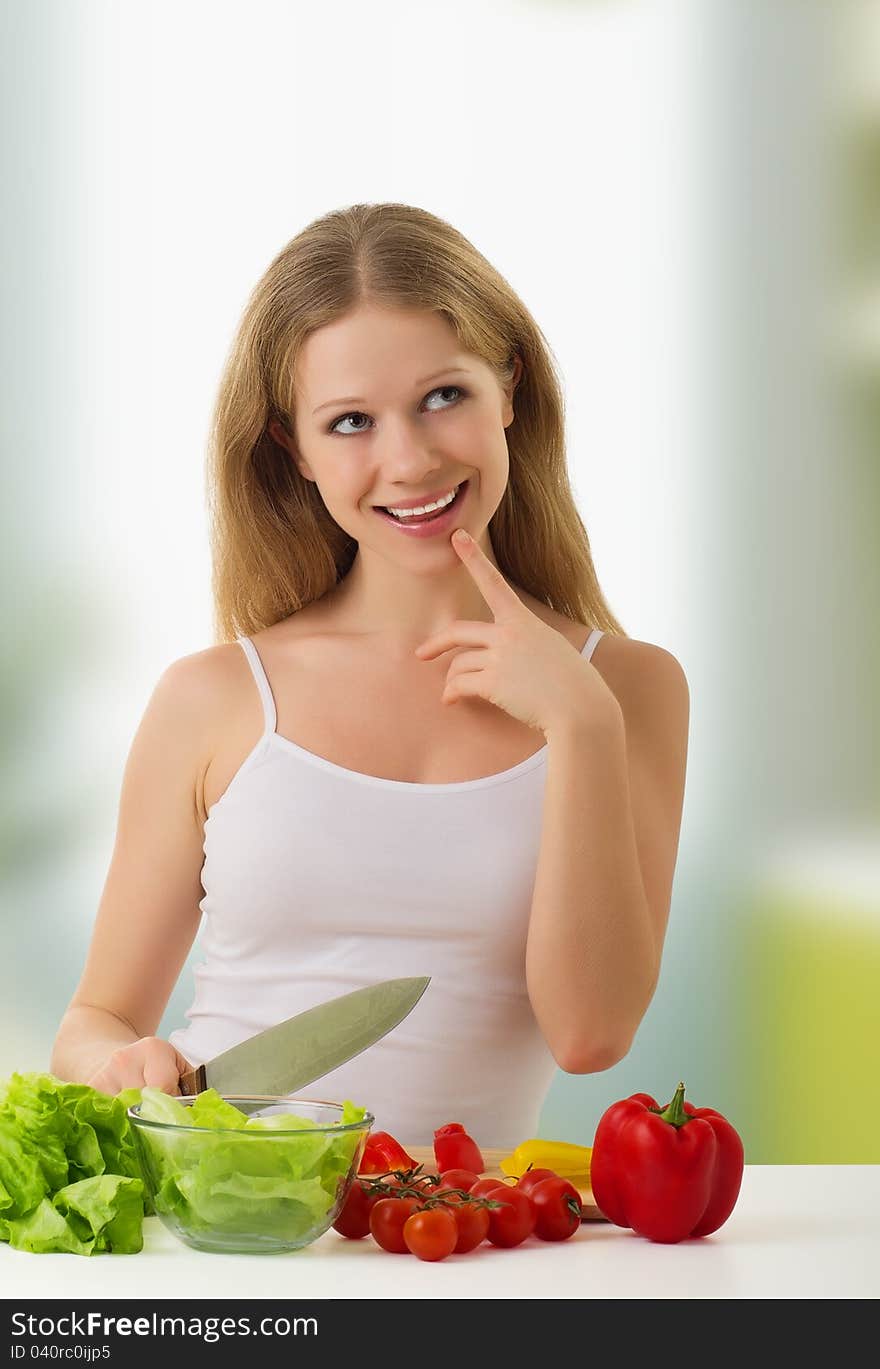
column 356, row 399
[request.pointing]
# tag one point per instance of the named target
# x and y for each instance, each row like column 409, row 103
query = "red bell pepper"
column 454, row 1149
column 383, row 1154
column 669, row 1173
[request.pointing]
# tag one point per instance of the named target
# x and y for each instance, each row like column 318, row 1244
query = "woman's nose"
column 406, row 454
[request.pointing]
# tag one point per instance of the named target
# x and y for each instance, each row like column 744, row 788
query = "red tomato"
column 457, row 1178
column 532, row 1177
column 472, row 1222
column 514, row 1220
column 557, row 1207
column 483, row 1187
column 387, row 1220
column 353, row 1220
column 431, row 1234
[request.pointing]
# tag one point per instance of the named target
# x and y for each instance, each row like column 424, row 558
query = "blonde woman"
column 422, row 744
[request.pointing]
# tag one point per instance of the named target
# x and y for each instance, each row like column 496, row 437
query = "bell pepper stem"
column 674, row 1112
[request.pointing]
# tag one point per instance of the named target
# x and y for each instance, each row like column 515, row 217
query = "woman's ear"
column 278, row 432
column 283, row 438
column 510, row 387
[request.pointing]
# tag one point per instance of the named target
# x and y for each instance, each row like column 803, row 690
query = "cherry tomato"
column 387, row 1219
column 483, row 1187
column 457, row 1178
column 514, row 1220
column 353, row 1220
column 532, row 1177
column 472, row 1222
column 557, row 1207
column 431, row 1234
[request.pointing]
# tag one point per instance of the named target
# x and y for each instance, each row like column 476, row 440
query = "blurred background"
column 686, row 195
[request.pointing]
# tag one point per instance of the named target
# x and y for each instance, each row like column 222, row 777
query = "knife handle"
column 193, row 1081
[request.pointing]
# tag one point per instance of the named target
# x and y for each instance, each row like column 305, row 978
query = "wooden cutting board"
column 425, row 1156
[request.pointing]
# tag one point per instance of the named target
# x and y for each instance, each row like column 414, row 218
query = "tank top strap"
column 262, row 681
column 590, row 644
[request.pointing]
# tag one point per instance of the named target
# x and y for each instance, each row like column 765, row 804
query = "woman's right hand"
column 148, row 1062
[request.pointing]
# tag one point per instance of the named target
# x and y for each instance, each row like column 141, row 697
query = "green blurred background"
column 687, row 196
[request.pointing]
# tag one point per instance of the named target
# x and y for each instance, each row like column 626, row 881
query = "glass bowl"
column 252, row 1190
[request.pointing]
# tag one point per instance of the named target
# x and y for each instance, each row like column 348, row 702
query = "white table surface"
column 797, row 1231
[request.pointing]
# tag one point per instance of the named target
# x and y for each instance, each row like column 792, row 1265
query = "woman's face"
column 391, row 412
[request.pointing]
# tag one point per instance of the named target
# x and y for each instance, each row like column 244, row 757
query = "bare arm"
column 149, row 913
column 612, row 812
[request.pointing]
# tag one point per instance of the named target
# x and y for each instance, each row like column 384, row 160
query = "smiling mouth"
column 419, row 519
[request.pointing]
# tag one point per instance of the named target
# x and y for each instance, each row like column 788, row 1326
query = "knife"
column 294, row 1053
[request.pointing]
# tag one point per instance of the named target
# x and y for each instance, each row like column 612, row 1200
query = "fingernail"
column 461, row 535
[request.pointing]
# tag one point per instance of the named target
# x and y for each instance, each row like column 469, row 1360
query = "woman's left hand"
column 517, row 662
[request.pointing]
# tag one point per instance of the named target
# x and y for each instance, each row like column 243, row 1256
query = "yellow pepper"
column 562, row 1157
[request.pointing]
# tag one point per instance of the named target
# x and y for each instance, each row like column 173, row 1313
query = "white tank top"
column 318, row 880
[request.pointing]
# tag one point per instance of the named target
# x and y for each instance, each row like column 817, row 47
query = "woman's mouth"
column 434, row 521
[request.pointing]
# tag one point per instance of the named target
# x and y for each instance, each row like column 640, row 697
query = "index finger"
column 498, row 594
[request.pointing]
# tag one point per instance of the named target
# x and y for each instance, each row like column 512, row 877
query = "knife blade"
column 292, row 1054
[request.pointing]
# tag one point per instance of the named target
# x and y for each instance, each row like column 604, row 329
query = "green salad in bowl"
column 247, row 1174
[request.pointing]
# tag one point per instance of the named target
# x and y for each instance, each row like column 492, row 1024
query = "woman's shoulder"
column 202, row 688
column 636, row 662
column 208, row 668
column 219, row 677
column 221, row 673
column 648, row 681
column 206, row 702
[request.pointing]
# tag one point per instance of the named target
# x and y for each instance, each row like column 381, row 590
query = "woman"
column 409, row 753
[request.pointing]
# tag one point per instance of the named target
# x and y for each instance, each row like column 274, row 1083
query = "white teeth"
column 426, row 508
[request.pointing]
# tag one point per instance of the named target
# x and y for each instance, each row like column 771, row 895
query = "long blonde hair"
column 274, row 546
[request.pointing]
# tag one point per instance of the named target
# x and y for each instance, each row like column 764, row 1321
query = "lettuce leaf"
column 70, row 1179
column 103, row 1213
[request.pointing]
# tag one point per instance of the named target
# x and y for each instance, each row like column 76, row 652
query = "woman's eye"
column 442, row 390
